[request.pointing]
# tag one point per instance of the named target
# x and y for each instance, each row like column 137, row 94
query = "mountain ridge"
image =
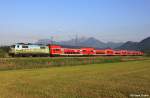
column 143, row 45
column 84, row 42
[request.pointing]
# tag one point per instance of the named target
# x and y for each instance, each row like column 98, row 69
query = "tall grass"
column 21, row 63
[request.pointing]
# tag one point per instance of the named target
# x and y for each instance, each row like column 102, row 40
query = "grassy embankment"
column 29, row 62
column 109, row 80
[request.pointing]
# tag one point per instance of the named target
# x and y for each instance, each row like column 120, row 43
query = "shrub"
column 3, row 53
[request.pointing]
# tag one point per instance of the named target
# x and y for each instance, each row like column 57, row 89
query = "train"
column 39, row 50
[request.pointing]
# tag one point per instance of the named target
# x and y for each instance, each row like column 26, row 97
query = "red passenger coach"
column 88, row 51
column 100, row 52
column 134, row 52
column 124, row 52
column 109, row 52
column 137, row 53
column 141, row 53
column 55, row 50
column 129, row 53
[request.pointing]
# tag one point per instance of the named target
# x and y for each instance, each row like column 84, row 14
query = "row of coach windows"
column 28, row 47
column 72, row 52
column 87, row 51
column 100, row 52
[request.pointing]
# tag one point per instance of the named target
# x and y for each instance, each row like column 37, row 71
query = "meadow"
column 44, row 62
column 105, row 80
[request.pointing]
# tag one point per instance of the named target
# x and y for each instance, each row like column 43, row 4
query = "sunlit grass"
column 110, row 80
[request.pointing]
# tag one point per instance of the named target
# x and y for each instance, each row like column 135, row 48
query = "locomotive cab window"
column 24, row 46
column 42, row 47
column 17, row 46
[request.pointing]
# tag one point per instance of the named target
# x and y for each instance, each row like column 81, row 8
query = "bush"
column 4, row 51
column 5, row 48
column 147, row 54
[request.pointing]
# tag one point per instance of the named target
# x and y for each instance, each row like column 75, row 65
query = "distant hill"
column 83, row 42
column 143, row 45
column 91, row 42
column 129, row 46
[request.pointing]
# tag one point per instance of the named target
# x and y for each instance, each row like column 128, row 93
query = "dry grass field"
column 107, row 80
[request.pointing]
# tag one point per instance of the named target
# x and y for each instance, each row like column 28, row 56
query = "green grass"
column 29, row 62
column 109, row 80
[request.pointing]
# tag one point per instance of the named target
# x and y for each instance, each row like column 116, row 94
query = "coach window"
column 84, row 50
column 57, row 49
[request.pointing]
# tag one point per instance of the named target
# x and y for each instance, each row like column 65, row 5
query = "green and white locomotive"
column 21, row 49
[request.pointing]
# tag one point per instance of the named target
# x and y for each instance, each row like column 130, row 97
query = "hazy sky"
column 107, row 20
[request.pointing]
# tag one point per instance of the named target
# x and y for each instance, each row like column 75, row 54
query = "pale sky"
column 106, row 20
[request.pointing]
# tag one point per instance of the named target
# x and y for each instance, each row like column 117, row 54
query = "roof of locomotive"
column 29, row 44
